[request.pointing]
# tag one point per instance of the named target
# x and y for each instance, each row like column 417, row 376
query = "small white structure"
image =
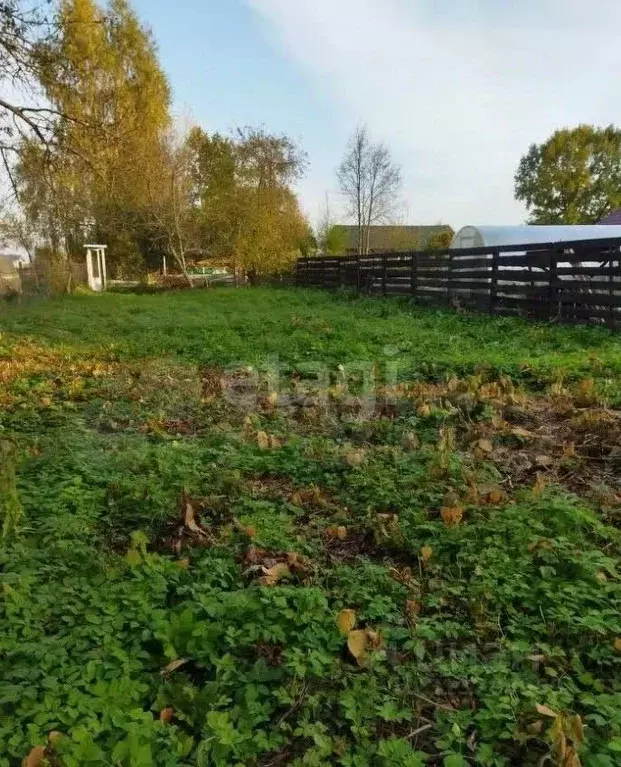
column 496, row 236
column 96, row 266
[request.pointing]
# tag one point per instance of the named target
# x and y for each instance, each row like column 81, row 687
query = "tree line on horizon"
column 101, row 157
column 93, row 151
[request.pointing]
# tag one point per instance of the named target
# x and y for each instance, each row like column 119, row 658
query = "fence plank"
column 493, row 289
column 573, row 282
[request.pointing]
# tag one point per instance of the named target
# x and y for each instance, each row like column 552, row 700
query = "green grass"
column 306, row 325
column 149, row 519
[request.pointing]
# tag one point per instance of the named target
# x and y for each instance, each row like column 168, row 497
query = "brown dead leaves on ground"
column 576, row 447
column 270, row 569
column 360, row 642
column 60, row 369
column 568, row 436
column 201, row 523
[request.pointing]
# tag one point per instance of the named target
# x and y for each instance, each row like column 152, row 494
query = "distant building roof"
column 613, row 218
column 394, row 238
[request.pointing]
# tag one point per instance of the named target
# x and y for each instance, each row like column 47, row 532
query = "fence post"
column 552, row 289
column 493, row 288
column 413, row 274
column 449, row 283
column 339, row 273
column 611, row 293
column 384, row 275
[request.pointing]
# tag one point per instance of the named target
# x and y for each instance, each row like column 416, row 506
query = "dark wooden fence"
column 569, row 282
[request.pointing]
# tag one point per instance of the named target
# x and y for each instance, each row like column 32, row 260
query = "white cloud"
column 459, row 89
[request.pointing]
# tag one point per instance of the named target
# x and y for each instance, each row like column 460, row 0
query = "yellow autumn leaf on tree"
column 346, row 620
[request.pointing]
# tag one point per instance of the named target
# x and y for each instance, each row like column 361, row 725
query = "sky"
column 457, row 89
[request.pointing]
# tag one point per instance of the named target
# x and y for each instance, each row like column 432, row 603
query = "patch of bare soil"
column 577, row 447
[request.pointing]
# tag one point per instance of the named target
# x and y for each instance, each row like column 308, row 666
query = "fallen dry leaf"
column 274, row 574
column 451, row 515
column 263, row 441
column 375, row 639
column 173, row 666
column 545, row 711
column 336, row 533
column 346, row 620
column 254, row 556
column 572, row 759
column 413, row 608
column 577, row 728
column 617, row 644
column 36, row 757
column 485, row 445
column 299, row 562
column 426, row 553
column 167, row 714
column 560, row 744
column 189, row 519
column 388, row 524
column 357, row 643
column 518, row 431
column 272, row 398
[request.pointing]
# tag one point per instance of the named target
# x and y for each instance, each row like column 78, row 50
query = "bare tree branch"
column 370, row 182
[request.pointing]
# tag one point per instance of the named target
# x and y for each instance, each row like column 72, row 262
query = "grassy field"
column 278, row 527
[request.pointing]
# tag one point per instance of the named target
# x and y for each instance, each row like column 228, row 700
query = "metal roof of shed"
column 492, row 236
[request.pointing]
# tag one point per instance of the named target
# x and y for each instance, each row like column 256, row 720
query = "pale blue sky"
column 458, row 89
column 227, row 72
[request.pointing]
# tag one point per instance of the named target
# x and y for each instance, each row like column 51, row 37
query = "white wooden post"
column 96, row 252
column 102, row 267
column 89, row 267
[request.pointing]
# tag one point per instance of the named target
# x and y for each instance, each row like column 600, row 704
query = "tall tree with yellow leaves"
column 101, row 69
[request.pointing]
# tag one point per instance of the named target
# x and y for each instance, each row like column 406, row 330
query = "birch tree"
column 169, row 211
column 371, row 182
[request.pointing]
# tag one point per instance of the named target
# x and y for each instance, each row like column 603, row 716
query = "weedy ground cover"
column 271, row 527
